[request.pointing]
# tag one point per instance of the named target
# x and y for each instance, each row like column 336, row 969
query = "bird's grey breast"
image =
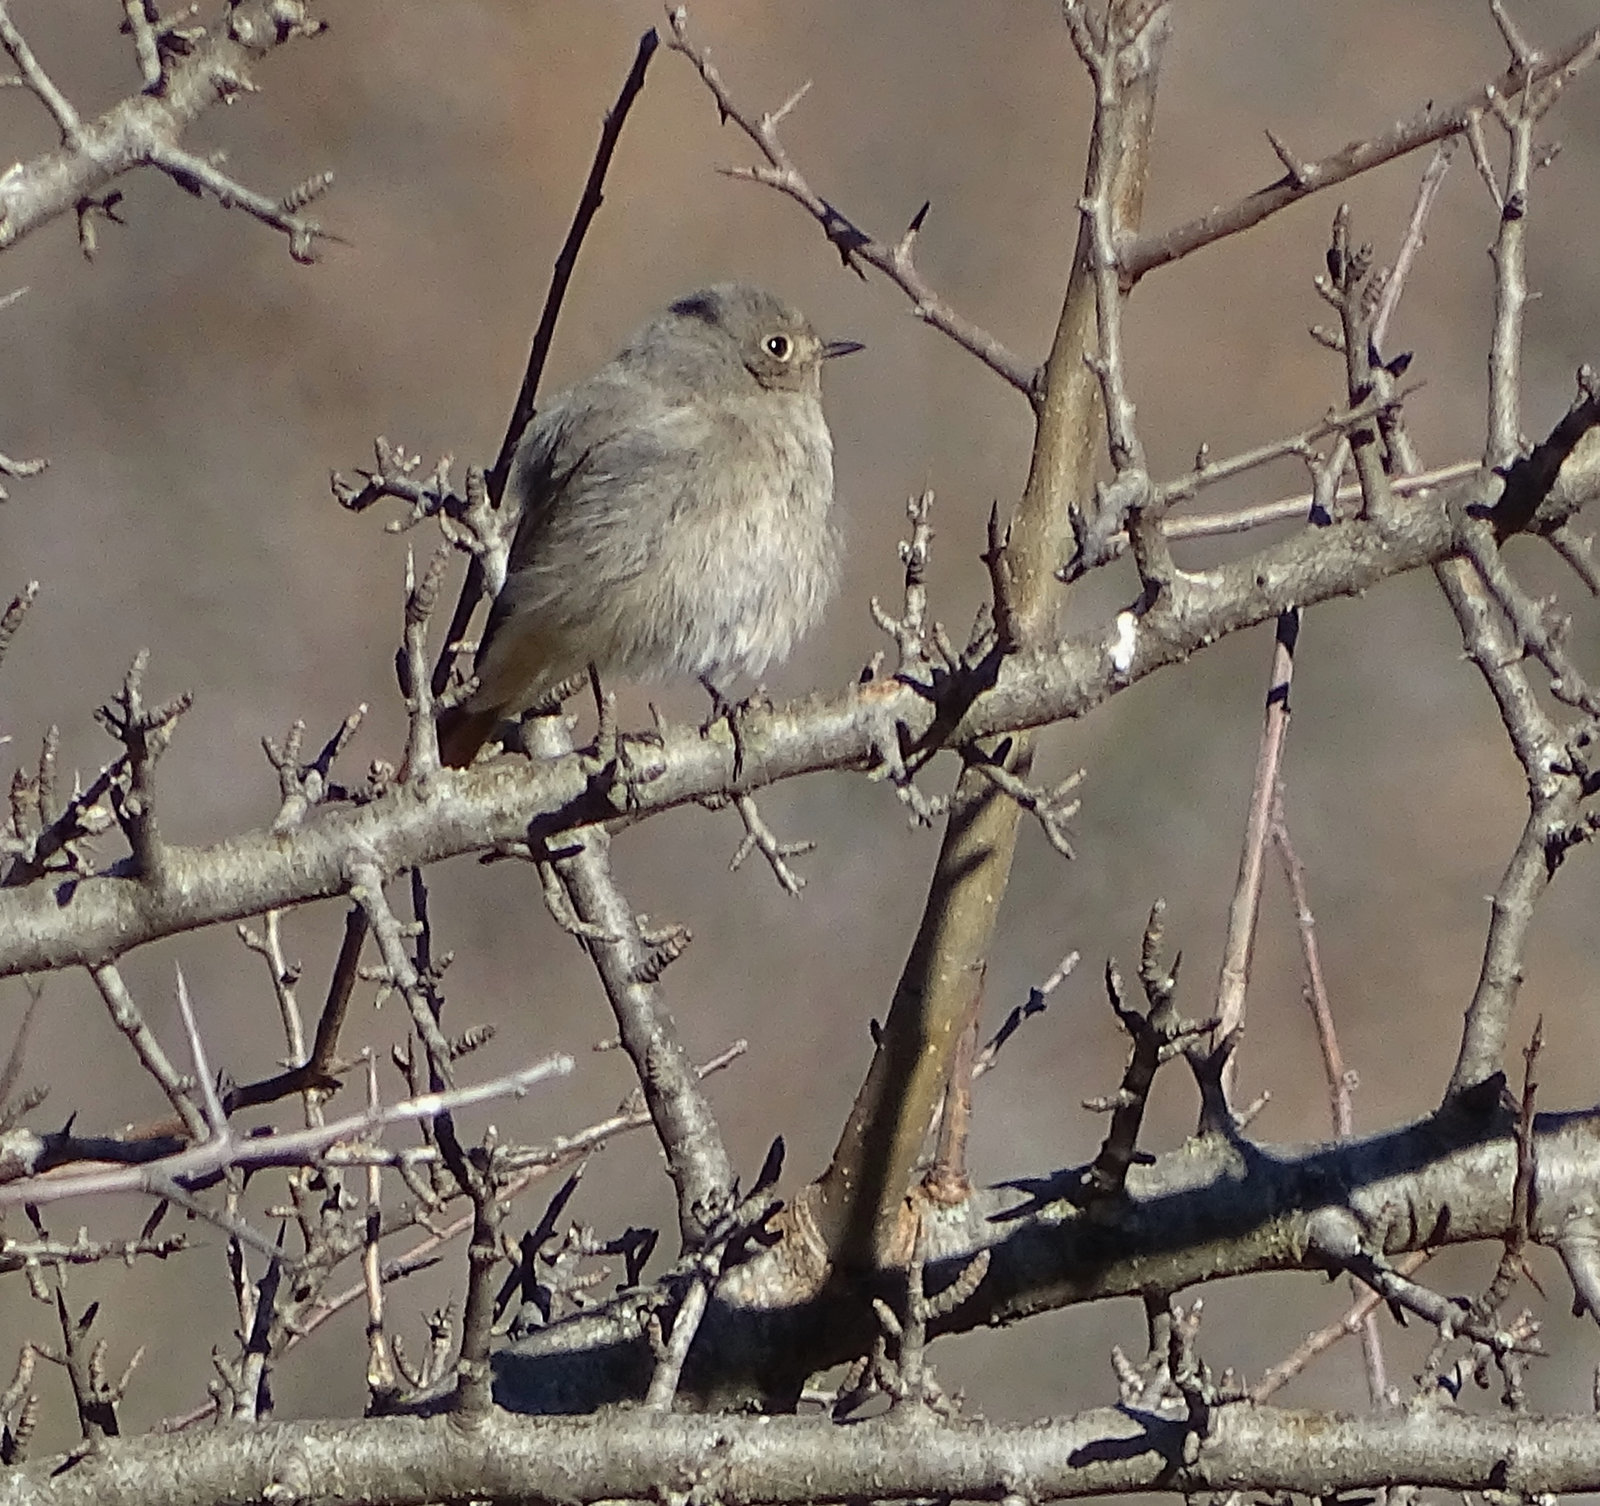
column 753, row 554
column 679, row 525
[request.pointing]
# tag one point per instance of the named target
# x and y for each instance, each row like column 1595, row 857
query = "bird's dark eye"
column 779, row 347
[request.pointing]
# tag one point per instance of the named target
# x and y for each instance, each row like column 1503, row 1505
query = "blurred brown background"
column 193, row 387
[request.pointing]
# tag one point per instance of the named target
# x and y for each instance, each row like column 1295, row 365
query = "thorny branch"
column 854, row 245
column 1428, row 125
column 187, row 69
column 859, row 1204
column 630, row 961
column 144, row 732
column 749, row 1460
column 1551, row 755
column 1158, row 1034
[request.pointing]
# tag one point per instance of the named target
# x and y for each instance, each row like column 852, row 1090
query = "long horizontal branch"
column 746, row 1460
column 64, row 921
column 67, row 921
column 1211, row 1210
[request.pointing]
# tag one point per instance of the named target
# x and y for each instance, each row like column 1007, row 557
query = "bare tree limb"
column 630, row 965
column 482, row 809
column 858, row 1205
column 145, row 129
column 1431, row 124
column 746, row 1461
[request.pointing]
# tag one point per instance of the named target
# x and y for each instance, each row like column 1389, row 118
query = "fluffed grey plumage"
column 675, row 513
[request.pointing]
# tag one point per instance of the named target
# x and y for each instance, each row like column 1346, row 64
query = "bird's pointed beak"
column 834, row 348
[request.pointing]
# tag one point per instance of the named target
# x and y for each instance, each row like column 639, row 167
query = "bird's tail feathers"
column 462, row 731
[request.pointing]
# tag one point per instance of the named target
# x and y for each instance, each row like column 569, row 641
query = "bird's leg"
column 605, row 737
column 730, row 711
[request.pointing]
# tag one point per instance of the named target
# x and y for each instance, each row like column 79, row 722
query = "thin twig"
column 1325, row 1338
column 1338, row 1078
column 1244, row 907
column 1294, row 509
column 197, row 175
column 292, row 1148
column 1211, row 472
column 759, row 837
column 366, row 889
column 567, row 260
column 669, row 1368
column 1157, row 1034
column 1412, row 241
column 126, row 1016
column 1037, row 1002
column 493, row 524
column 11, row 618
column 1510, row 256
column 215, row 1117
column 40, row 82
column 1316, row 990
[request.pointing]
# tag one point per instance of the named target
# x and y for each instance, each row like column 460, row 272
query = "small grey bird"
column 674, row 513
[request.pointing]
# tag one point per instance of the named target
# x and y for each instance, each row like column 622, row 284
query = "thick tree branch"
column 740, row 1460
column 68, row 921
column 859, row 1203
column 1219, row 1207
